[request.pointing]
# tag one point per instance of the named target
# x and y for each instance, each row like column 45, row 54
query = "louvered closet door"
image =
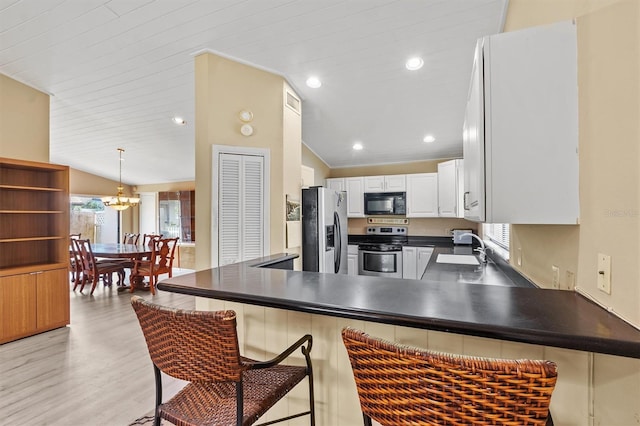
column 241, row 208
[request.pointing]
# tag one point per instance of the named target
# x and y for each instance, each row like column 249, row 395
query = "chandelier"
column 119, row 202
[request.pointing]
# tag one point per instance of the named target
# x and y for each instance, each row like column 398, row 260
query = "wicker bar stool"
column 402, row 385
column 224, row 388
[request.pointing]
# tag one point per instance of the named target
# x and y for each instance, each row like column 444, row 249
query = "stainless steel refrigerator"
column 324, row 230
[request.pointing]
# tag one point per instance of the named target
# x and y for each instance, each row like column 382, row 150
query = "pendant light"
column 119, row 202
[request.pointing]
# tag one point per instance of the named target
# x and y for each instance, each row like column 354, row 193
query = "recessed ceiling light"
column 314, row 82
column 357, row 146
column 179, row 121
column 414, row 63
column 429, row 139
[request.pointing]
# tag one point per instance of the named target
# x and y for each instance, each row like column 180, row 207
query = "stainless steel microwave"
column 385, row 203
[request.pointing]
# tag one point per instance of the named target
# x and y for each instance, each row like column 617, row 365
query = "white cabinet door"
column 337, row 184
column 355, row 196
column 352, row 264
column 409, row 263
column 395, row 183
column 473, row 144
column 520, row 139
column 352, row 259
column 422, row 195
column 374, row 184
column 423, row 254
column 450, row 189
column 391, row 183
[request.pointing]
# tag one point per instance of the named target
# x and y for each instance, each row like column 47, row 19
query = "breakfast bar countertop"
column 556, row 318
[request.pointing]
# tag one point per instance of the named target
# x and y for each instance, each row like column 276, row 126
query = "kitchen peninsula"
column 271, row 302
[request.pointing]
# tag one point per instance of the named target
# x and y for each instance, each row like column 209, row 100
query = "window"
column 497, row 236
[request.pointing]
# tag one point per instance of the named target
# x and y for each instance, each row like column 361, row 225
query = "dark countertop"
column 494, row 272
column 545, row 317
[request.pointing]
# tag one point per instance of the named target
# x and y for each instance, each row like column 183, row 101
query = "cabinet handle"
column 464, row 200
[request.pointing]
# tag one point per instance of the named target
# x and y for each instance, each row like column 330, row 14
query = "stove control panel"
column 386, row 230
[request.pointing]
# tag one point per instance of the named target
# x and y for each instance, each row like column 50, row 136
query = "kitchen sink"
column 457, row 259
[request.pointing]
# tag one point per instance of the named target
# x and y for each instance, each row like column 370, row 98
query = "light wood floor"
column 97, row 371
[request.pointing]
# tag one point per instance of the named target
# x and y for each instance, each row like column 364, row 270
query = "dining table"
column 126, row 252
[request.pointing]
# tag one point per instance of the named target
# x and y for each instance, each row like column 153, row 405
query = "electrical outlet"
column 604, row 273
column 571, row 280
column 555, row 279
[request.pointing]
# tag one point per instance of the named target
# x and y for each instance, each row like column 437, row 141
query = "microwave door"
column 380, row 206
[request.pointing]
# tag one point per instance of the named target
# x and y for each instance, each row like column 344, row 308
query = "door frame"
column 265, row 153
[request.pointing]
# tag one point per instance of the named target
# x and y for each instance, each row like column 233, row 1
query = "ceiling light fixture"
column 245, row 115
column 314, row 82
column 119, row 202
column 429, row 139
column 414, row 63
column 179, row 121
column 357, row 146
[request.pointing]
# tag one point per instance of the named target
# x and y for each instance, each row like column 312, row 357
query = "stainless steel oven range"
column 383, row 257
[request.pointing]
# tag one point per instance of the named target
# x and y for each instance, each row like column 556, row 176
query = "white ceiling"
column 119, row 70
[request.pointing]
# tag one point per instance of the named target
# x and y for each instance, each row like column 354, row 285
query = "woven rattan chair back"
column 402, row 385
column 190, row 345
column 201, row 347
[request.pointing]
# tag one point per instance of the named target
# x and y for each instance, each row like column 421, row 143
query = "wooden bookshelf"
column 34, row 253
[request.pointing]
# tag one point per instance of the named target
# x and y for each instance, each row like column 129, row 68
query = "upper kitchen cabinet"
column 520, row 136
column 422, row 195
column 337, row 184
column 355, row 196
column 450, row 188
column 392, row 183
column 355, row 193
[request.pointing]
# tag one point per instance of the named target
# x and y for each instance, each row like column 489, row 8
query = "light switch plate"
column 604, row 273
column 555, row 279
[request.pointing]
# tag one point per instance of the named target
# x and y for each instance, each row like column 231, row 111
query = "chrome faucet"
column 482, row 250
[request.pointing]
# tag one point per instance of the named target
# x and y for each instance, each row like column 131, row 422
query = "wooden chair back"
column 165, row 253
column 148, row 239
column 399, row 384
column 130, row 238
column 92, row 269
column 75, row 265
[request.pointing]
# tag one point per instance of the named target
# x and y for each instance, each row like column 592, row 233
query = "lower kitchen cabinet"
column 352, row 260
column 32, row 303
column 415, row 261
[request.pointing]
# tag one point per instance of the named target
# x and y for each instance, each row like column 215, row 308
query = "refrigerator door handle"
column 338, row 242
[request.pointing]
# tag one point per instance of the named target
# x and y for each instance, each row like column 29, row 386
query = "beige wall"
column 24, row 121
column 608, row 80
column 609, row 117
column 321, row 170
column 169, row 186
column 223, row 88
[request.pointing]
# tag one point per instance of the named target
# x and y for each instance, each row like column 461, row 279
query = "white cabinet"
column 337, row 184
column 352, row 259
column 520, row 137
column 415, row 261
column 354, row 186
column 450, row 188
column 355, row 196
column 391, row 183
column 422, row 195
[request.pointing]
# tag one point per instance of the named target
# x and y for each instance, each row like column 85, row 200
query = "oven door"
column 380, row 263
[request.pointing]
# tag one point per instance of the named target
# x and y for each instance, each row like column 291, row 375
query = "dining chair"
column 147, row 239
column 93, row 269
column 399, row 385
column 225, row 388
column 130, row 238
column 160, row 262
column 75, row 266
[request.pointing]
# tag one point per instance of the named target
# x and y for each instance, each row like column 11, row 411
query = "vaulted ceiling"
column 119, row 70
